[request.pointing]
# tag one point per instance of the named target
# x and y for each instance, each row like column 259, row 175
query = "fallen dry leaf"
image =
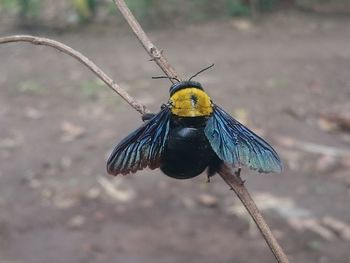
column 71, row 131
column 64, row 202
column 341, row 228
column 33, row 113
column 243, row 25
column 13, row 141
column 340, row 118
column 93, row 193
column 313, row 225
column 116, row 190
column 188, row 202
column 326, row 163
column 77, row 221
column 208, row 200
column 326, row 125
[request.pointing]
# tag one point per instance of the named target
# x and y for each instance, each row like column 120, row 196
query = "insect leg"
column 238, row 174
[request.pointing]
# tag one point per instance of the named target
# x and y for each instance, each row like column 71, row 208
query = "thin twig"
column 81, row 58
column 237, row 185
column 155, row 54
column 227, row 174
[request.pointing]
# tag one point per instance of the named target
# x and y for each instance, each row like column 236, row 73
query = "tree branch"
column 236, row 184
column 155, row 54
column 81, row 58
column 226, row 172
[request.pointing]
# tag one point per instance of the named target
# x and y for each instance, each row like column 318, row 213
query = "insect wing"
column 236, row 144
column 142, row 148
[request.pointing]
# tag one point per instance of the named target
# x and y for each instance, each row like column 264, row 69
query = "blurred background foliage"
column 152, row 13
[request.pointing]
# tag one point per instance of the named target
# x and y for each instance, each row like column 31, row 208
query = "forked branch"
column 235, row 183
column 226, row 172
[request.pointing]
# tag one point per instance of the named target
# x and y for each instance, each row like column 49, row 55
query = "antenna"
column 199, row 72
column 166, row 77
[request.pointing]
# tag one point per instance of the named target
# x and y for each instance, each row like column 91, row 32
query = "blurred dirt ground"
column 285, row 77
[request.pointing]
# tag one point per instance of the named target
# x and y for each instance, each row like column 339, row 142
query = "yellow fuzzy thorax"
column 191, row 102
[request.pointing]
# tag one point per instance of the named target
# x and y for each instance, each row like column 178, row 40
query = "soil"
column 59, row 123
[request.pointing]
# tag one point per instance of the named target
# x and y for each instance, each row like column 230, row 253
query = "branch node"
column 155, row 53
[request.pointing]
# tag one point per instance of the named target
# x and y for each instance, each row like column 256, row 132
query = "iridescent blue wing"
column 142, row 148
column 236, row 144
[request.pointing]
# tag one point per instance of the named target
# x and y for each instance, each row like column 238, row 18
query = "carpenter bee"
column 191, row 134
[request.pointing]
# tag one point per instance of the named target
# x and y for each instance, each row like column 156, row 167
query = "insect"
column 191, row 134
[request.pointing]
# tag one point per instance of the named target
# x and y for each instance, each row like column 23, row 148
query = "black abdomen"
column 187, row 153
